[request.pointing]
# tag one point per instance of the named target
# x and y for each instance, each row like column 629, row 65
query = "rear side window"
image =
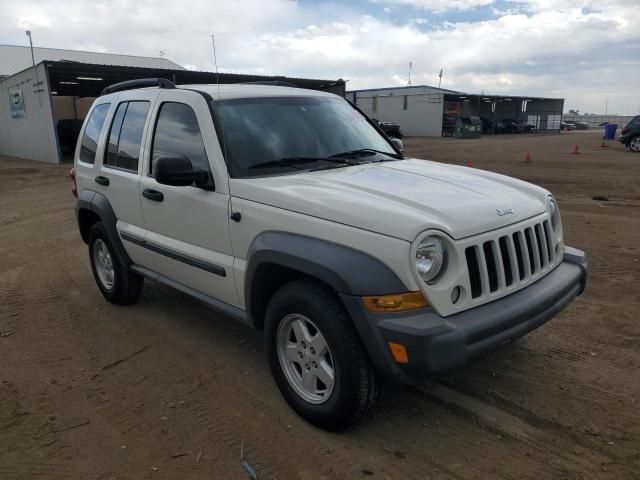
column 92, row 131
column 177, row 134
column 114, row 134
column 125, row 135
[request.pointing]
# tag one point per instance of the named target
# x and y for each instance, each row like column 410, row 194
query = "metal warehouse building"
column 42, row 107
column 429, row 111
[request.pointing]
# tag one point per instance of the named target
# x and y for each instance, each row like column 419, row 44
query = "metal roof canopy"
column 88, row 80
column 407, row 87
column 16, row 58
column 461, row 96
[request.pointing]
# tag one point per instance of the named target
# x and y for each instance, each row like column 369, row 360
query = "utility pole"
column 440, row 81
column 35, row 70
column 606, row 106
column 410, row 66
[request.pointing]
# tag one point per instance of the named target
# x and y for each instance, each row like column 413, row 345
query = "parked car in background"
column 487, row 125
column 392, row 130
column 630, row 135
column 567, row 126
column 579, row 125
column 509, row 125
column 448, row 122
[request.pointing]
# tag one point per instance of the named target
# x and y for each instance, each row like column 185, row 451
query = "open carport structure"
column 43, row 106
column 426, row 111
column 544, row 113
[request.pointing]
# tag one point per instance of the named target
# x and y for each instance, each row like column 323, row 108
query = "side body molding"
column 97, row 203
column 347, row 270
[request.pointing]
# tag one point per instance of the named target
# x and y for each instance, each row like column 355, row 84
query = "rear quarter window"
column 125, row 136
column 89, row 143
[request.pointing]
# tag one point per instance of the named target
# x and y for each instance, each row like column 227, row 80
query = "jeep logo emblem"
column 505, row 211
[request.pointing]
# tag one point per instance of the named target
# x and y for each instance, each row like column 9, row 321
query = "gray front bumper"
column 436, row 344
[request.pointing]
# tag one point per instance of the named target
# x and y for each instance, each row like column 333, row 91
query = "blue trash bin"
column 610, row 131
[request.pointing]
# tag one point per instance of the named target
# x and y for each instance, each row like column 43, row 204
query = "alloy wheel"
column 104, row 264
column 305, row 358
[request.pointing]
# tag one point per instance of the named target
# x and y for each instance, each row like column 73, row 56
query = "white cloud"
column 585, row 51
column 438, row 6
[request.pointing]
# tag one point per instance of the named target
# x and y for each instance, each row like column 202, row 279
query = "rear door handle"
column 102, row 180
column 153, row 195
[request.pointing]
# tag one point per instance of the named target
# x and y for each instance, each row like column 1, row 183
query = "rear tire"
column 117, row 283
column 331, row 390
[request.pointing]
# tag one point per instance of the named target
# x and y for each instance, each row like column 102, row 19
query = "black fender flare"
column 346, row 270
column 98, row 204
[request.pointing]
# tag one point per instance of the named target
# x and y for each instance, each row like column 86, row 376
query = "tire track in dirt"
column 574, row 402
column 521, row 428
column 125, row 420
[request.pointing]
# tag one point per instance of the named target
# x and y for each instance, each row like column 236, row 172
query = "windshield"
column 259, row 132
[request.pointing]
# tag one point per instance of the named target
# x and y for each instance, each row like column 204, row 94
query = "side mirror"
column 179, row 172
column 398, row 143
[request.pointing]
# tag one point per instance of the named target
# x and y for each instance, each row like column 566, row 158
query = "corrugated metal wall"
column 32, row 137
column 421, row 118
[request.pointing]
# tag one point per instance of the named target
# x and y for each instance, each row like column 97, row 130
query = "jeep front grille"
column 509, row 259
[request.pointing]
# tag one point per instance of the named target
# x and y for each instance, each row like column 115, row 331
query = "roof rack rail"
column 138, row 83
column 273, row 83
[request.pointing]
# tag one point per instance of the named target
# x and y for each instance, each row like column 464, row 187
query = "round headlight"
column 430, row 258
column 554, row 214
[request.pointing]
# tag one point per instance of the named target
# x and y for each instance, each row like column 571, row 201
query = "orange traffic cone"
column 576, row 149
column 470, row 163
column 527, row 157
column 603, row 144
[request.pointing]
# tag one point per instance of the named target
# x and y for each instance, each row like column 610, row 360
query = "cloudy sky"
column 587, row 51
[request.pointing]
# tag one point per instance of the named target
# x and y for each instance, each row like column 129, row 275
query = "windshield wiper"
column 295, row 162
column 363, row 152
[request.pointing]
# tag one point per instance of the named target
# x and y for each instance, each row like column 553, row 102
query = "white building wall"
column 32, row 137
column 422, row 117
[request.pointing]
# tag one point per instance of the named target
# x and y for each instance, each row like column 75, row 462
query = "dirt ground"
column 169, row 389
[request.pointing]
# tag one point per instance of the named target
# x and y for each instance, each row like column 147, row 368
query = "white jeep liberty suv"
column 290, row 210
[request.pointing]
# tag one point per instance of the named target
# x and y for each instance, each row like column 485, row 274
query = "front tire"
column 317, row 358
column 634, row 144
column 117, row 283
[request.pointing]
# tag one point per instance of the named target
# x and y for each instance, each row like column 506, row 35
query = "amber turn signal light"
column 396, row 303
column 399, row 352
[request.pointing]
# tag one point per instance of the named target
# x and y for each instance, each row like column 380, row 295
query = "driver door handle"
column 100, row 180
column 153, row 195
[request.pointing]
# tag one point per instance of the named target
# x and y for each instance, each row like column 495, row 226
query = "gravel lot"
column 168, row 389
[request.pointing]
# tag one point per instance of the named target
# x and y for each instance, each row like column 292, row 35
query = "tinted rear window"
column 126, row 135
column 114, row 134
column 92, row 131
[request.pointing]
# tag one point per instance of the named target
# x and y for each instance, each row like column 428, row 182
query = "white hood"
column 401, row 198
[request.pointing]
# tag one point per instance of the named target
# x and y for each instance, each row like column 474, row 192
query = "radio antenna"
column 215, row 62
column 224, row 144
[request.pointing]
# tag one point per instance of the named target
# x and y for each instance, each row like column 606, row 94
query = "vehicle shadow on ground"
column 239, row 344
